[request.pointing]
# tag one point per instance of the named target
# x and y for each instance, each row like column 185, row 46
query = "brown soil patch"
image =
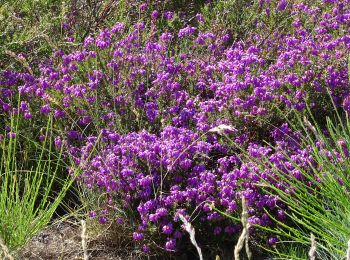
column 63, row 241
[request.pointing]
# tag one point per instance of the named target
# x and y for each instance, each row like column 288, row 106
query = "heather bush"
column 145, row 108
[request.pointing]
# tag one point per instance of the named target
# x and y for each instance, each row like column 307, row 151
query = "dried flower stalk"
column 243, row 239
column 84, row 239
column 312, row 252
column 191, row 231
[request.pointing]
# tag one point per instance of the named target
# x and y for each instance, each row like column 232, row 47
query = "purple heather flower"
column 166, row 37
column 162, row 212
column 340, row 181
column 200, row 18
column 146, row 249
column 168, row 15
column 58, row 142
column 151, row 111
column 27, row 115
column 282, row 4
column 137, row 236
column 88, row 41
column 118, row 28
column 92, row 214
column 102, row 220
column 66, row 78
column 59, row 114
column 344, row 147
column 185, row 164
column 104, row 39
column 72, row 134
column 45, row 109
column 11, row 135
column 155, row 15
column 272, row 241
column 42, row 138
column 120, row 221
column 6, row 107
column 187, row 31
column 167, row 229
column 24, row 106
column 346, row 104
column 170, row 245
column 143, row 7
column 281, row 215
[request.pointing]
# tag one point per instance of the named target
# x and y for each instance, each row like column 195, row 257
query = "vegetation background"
column 43, row 200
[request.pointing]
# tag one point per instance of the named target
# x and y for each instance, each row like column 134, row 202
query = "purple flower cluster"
column 182, row 172
column 154, row 104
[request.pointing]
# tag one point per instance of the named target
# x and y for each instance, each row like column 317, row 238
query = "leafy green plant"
column 28, row 199
column 319, row 203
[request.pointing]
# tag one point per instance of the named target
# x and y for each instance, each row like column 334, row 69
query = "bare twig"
column 190, row 230
column 5, row 250
column 312, row 128
column 348, row 251
column 84, row 239
column 312, row 252
column 243, row 239
column 20, row 59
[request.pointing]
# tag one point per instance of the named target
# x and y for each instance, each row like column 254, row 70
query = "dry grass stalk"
column 5, row 250
column 312, row 252
column 84, row 239
column 240, row 244
column 312, row 128
column 191, row 231
column 243, row 239
column 348, row 251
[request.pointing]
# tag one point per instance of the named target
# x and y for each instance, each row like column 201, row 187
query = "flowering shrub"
column 152, row 98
